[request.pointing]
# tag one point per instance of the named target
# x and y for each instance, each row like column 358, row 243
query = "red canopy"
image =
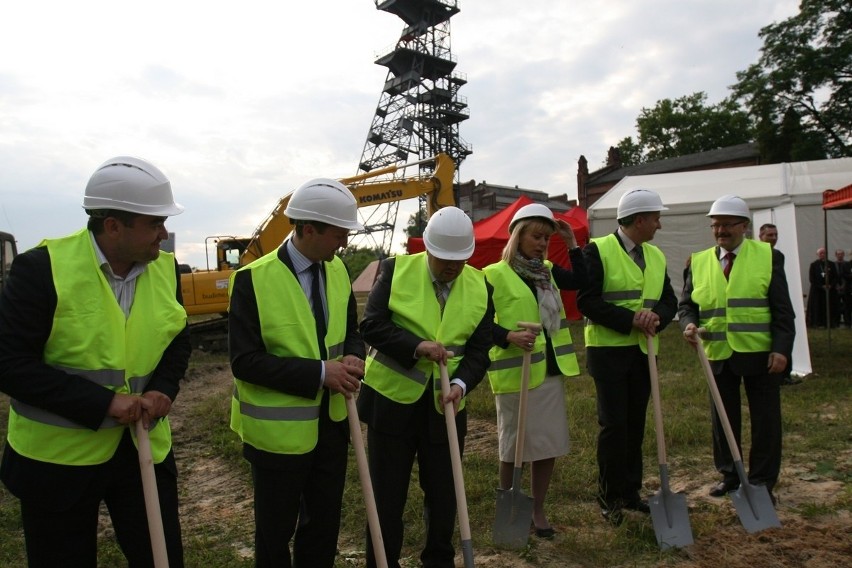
column 837, row 199
column 492, row 234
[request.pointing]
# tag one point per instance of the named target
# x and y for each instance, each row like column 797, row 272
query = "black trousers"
column 764, row 405
column 391, row 459
column 68, row 537
column 622, row 399
column 304, row 490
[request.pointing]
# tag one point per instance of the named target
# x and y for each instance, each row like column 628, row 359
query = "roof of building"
column 680, row 163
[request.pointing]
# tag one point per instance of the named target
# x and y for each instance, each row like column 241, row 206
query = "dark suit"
column 399, row 432
column 762, row 390
column 284, row 483
column 822, row 275
column 59, row 503
column 622, row 383
column 844, row 291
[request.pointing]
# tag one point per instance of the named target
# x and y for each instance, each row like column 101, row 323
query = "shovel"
column 752, row 502
column 152, row 498
column 514, row 509
column 458, row 478
column 669, row 513
column 366, row 484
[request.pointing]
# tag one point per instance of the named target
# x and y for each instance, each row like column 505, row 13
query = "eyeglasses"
column 726, row 226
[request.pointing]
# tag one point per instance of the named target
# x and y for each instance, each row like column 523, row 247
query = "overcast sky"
column 240, row 102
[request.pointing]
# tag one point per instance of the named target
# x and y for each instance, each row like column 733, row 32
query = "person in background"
column 769, row 234
column 526, row 288
column 295, row 354
column 822, row 296
column 628, row 298
column 737, row 291
column 93, row 338
column 844, row 288
column 424, row 309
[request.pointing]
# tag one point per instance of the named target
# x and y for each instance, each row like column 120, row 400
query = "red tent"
column 492, row 234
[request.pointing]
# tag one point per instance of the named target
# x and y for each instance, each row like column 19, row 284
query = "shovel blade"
column 670, row 517
column 754, row 507
column 512, row 521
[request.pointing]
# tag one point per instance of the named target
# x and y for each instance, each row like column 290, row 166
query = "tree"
column 685, row 125
column 416, row 223
column 799, row 93
column 356, row 259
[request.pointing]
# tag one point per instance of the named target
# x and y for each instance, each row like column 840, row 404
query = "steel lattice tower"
column 419, row 110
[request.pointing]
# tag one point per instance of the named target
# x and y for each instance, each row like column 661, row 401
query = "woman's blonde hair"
column 532, row 224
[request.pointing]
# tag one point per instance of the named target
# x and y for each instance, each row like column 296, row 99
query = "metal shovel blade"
column 670, row 517
column 512, row 521
column 754, row 507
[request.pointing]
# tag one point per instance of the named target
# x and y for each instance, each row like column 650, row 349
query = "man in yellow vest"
column 93, row 338
column 737, row 291
column 296, row 353
column 422, row 307
column 628, row 298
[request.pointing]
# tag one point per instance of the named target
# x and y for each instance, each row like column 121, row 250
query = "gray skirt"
column 546, row 434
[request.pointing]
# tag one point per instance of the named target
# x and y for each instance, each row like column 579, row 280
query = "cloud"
column 241, row 104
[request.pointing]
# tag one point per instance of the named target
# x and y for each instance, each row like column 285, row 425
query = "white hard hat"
column 324, row 200
column 639, row 200
column 131, row 184
column 449, row 234
column 532, row 210
column 730, row 205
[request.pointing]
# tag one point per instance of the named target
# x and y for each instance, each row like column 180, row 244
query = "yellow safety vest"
column 514, row 302
column 735, row 312
column 268, row 419
column 626, row 285
column 415, row 308
column 91, row 337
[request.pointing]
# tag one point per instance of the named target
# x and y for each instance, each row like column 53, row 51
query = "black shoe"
column 788, row 380
column 547, row 533
column 639, row 505
column 724, row 487
column 614, row 516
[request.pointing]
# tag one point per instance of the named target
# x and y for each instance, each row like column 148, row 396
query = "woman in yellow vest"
column 526, row 288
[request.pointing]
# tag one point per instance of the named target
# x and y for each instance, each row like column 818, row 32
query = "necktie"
column 638, row 257
column 730, row 258
column 316, row 305
column 439, row 295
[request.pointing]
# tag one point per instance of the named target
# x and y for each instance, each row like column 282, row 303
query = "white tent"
column 790, row 195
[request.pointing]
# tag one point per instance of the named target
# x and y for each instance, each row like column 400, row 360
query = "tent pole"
column 825, row 272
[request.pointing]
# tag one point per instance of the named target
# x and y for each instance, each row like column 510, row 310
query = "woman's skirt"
column 546, row 433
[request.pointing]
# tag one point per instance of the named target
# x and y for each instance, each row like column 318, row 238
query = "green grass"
column 817, row 435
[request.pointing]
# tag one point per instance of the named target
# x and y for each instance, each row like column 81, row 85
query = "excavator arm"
column 438, row 186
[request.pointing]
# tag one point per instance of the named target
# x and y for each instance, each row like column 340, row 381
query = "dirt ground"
column 211, row 490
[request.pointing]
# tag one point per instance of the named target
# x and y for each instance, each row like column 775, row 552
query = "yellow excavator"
column 205, row 292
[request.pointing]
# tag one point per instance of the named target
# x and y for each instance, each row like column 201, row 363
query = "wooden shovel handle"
column 655, row 395
column 152, row 498
column 455, row 454
column 522, row 398
column 717, row 398
column 366, row 484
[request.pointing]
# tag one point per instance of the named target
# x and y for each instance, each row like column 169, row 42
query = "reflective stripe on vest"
column 271, row 420
column 735, row 312
column 414, row 307
column 92, row 338
column 627, row 286
column 514, row 302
